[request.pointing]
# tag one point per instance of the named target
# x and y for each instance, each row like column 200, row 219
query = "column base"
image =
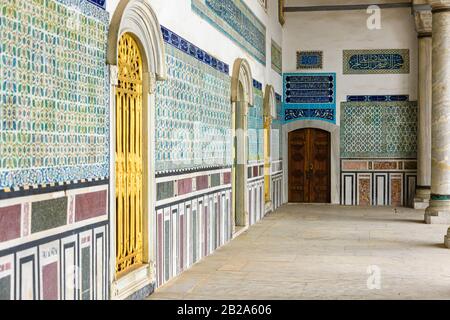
column 422, row 198
column 447, row 239
column 438, row 212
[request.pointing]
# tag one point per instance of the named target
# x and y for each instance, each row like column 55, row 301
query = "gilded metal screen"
column 129, row 163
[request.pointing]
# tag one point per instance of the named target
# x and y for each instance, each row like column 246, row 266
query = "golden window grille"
column 129, row 162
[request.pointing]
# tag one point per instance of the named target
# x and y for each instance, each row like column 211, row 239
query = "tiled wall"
column 378, row 152
column 256, row 126
column 54, row 146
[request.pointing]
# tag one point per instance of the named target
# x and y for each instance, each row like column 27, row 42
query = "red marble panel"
column 384, row 165
column 184, row 186
column 410, row 165
column 90, row 205
column 10, row 222
column 202, row 182
column 50, row 281
column 255, row 171
column 354, row 165
column 364, row 192
column 396, row 192
column 227, row 177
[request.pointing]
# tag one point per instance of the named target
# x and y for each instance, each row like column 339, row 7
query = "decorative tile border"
column 276, row 57
column 380, row 98
column 235, row 19
column 182, row 44
column 309, row 59
column 257, row 84
column 100, row 3
column 378, row 61
column 306, row 114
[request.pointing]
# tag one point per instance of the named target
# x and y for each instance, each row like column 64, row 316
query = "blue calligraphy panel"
column 376, row 61
column 309, row 96
column 309, row 59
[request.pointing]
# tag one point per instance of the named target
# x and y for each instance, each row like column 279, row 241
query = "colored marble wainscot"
column 90, row 205
column 48, row 214
column 235, row 19
column 378, row 61
column 309, row 59
column 10, row 218
column 61, row 122
column 379, row 130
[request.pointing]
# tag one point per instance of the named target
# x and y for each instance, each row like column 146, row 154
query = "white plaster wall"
column 335, row 31
column 177, row 16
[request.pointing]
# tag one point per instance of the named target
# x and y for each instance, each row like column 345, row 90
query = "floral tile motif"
column 54, row 93
column 378, row 129
column 378, row 61
column 256, row 127
column 193, row 115
column 235, row 19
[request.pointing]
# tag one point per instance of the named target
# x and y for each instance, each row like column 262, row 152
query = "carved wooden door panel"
column 309, row 166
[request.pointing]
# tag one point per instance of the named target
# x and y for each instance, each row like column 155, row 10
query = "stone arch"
column 241, row 99
column 137, row 18
column 335, row 153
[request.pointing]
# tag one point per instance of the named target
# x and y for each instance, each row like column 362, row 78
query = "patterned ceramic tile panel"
column 235, row 19
column 53, row 92
column 277, row 58
column 256, row 127
column 309, row 59
column 373, row 98
column 378, row 129
column 376, row 61
column 193, row 115
column 309, row 96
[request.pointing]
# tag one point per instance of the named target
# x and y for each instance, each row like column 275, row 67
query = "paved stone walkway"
column 324, row 252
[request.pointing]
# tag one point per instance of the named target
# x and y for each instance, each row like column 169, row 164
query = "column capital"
column 424, row 22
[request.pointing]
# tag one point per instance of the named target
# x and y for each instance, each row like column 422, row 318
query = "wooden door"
column 309, row 166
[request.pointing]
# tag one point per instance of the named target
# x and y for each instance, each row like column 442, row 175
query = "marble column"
column 424, row 27
column 439, row 208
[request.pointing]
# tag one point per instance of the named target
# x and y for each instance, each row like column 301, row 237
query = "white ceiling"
column 308, row 3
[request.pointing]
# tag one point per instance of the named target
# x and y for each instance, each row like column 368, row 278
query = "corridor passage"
column 324, row 252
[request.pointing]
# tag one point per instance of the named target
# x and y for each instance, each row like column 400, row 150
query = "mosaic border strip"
column 305, row 114
column 245, row 14
column 386, row 66
column 182, row 44
column 257, row 84
column 89, row 8
column 309, row 65
column 100, row 3
column 378, row 98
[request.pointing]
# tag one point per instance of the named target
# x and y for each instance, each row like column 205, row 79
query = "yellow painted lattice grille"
column 129, row 163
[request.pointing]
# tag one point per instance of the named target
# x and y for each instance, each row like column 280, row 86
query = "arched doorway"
column 269, row 114
column 241, row 98
column 309, row 178
column 136, row 57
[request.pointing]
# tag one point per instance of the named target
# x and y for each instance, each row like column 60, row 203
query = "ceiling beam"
column 347, row 7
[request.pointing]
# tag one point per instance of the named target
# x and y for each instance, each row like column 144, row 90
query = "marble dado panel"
column 38, row 216
column 53, row 105
column 193, row 114
column 235, row 19
column 378, row 61
column 174, row 187
column 379, row 129
column 277, row 57
column 190, row 229
column 72, row 265
column 378, row 182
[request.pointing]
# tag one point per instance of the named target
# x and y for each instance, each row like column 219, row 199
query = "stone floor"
column 324, row 252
